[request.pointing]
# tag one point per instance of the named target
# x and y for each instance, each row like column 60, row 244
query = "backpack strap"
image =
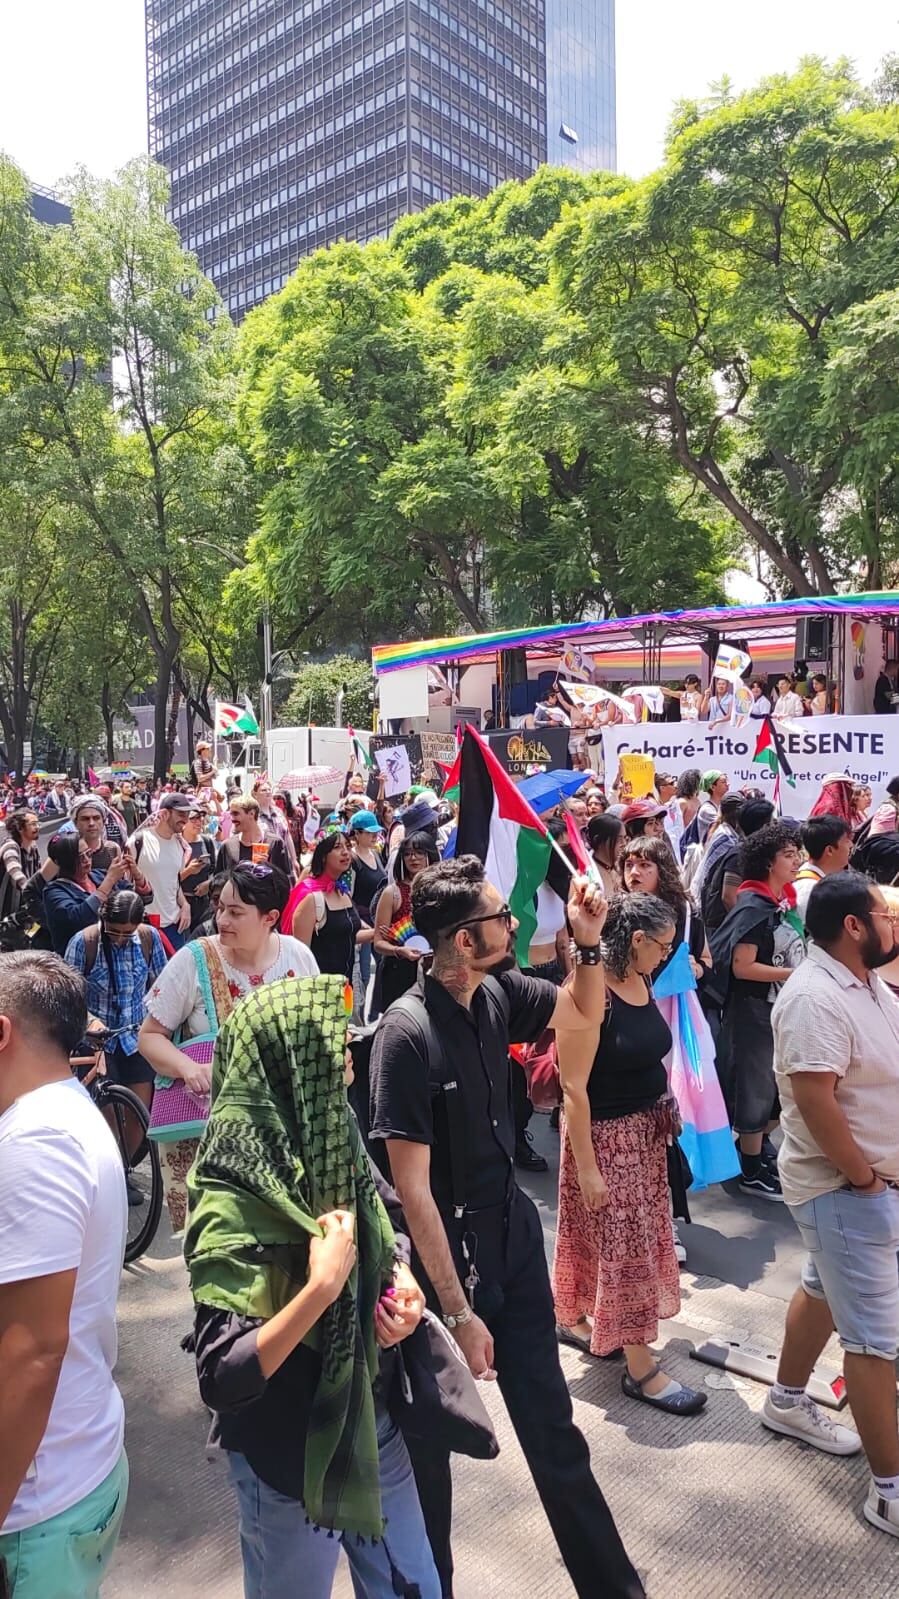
column 212, row 980
column 145, row 934
column 438, row 1067
column 91, row 937
column 321, row 909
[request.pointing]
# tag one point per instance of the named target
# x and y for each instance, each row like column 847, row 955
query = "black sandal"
column 566, row 1335
column 686, row 1402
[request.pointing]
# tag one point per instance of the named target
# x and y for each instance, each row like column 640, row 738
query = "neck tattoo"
column 453, row 974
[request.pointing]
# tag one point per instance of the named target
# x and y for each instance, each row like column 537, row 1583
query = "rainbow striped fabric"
column 394, row 657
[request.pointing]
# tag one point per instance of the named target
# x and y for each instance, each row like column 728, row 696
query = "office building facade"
column 287, row 124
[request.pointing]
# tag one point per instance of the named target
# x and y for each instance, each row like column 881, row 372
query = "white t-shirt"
column 160, row 860
column 63, row 1205
column 175, row 999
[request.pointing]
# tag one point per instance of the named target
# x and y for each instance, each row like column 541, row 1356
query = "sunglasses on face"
column 504, row 914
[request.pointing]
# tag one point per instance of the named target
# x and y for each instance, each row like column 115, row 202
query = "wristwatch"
column 460, row 1319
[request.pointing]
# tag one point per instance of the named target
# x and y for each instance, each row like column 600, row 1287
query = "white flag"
column 731, row 663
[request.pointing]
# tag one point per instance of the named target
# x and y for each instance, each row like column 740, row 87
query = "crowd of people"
column 785, row 697
column 340, row 1054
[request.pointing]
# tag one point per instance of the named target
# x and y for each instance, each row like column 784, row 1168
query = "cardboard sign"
column 637, row 772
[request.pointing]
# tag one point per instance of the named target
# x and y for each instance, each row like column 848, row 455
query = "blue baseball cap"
column 364, row 821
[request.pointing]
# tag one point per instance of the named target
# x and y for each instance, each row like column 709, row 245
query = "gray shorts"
column 853, row 1263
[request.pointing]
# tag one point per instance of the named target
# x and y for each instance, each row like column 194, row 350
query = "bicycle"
column 128, row 1119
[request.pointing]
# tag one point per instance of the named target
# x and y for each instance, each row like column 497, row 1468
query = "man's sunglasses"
column 504, row 914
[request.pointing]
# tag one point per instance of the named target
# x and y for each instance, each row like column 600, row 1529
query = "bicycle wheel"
column 128, row 1118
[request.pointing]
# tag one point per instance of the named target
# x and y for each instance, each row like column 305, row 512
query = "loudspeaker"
column 813, row 638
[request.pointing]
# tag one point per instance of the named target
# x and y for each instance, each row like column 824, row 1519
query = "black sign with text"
column 528, row 749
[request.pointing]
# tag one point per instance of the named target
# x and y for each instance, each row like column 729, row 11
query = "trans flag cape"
column 706, row 1139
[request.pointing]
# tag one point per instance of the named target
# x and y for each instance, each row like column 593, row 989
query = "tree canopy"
column 582, row 395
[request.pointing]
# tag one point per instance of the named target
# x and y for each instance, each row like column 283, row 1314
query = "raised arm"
column 582, row 1005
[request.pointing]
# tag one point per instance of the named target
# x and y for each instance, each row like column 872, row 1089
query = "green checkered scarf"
column 281, row 1148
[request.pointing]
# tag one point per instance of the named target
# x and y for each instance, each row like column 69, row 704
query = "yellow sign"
column 637, row 775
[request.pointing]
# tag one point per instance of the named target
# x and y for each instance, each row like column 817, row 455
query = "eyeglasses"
column 504, row 914
column 891, row 916
column 665, row 948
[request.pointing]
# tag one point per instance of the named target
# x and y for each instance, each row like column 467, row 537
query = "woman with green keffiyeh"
column 298, row 1281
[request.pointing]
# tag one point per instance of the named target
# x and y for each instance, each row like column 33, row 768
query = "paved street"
column 711, row 1508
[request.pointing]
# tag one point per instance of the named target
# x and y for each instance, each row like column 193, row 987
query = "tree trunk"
column 164, row 664
column 108, row 720
column 171, row 732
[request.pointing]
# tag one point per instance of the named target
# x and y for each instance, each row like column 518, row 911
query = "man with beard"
column 442, row 1103
column 836, row 1044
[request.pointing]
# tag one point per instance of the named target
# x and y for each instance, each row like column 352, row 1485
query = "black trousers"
column 522, row 1109
column 514, row 1298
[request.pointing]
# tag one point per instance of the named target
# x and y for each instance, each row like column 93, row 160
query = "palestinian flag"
column 451, row 779
column 232, row 719
column 498, row 825
column 769, row 751
column 360, row 753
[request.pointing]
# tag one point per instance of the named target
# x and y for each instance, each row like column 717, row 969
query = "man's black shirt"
column 407, row 1103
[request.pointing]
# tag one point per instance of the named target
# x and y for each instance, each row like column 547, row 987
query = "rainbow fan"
column 403, row 933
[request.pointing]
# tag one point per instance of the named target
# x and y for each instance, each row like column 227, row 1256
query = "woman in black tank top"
column 327, row 920
column 614, row 1257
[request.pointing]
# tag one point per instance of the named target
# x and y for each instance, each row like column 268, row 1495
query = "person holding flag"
column 441, row 1104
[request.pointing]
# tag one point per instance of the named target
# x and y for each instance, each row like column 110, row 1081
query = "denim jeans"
column 286, row 1558
column 852, row 1240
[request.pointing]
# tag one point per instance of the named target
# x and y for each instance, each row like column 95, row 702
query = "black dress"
column 334, row 944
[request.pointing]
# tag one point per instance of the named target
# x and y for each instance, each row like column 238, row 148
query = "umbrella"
column 310, row 777
column 545, row 790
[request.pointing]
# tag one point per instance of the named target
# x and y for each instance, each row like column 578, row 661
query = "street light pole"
column 265, row 692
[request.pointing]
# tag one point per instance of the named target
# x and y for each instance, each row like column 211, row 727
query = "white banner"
column 867, row 747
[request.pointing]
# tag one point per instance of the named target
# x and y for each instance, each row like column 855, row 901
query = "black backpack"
column 690, row 835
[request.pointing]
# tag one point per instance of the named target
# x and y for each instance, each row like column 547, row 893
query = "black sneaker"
column 136, row 1195
column 765, row 1183
column 769, row 1154
column 526, row 1156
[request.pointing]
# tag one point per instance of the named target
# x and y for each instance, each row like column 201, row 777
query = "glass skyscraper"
column 580, row 84
column 288, row 124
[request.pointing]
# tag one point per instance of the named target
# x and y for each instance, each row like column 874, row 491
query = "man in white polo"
column 836, row 1059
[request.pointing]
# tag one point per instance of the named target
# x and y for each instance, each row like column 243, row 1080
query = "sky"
column 72, row 71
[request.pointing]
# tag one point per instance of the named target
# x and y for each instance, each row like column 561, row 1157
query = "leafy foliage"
column 313, row 694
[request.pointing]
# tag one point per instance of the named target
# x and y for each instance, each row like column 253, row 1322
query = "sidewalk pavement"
column 712, row 1507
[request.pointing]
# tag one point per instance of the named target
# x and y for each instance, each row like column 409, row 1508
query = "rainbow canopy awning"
column 600, row 636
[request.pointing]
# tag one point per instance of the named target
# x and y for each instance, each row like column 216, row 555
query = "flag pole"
column 592, row 874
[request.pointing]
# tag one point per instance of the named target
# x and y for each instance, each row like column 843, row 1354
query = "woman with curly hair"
column 755, row 949
column 615, row 1257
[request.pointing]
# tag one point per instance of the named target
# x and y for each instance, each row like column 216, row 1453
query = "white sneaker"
column 882, row 1513
column 808, row 1421
column 680, row 1248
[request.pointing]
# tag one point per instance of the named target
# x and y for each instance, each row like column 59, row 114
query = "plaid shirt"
column 117, row 998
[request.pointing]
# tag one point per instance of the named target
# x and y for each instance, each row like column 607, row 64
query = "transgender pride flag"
column 706, row 1140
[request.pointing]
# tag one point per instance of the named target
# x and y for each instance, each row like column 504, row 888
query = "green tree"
column 315, row 689
column 712, row 294
column 114, row 350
